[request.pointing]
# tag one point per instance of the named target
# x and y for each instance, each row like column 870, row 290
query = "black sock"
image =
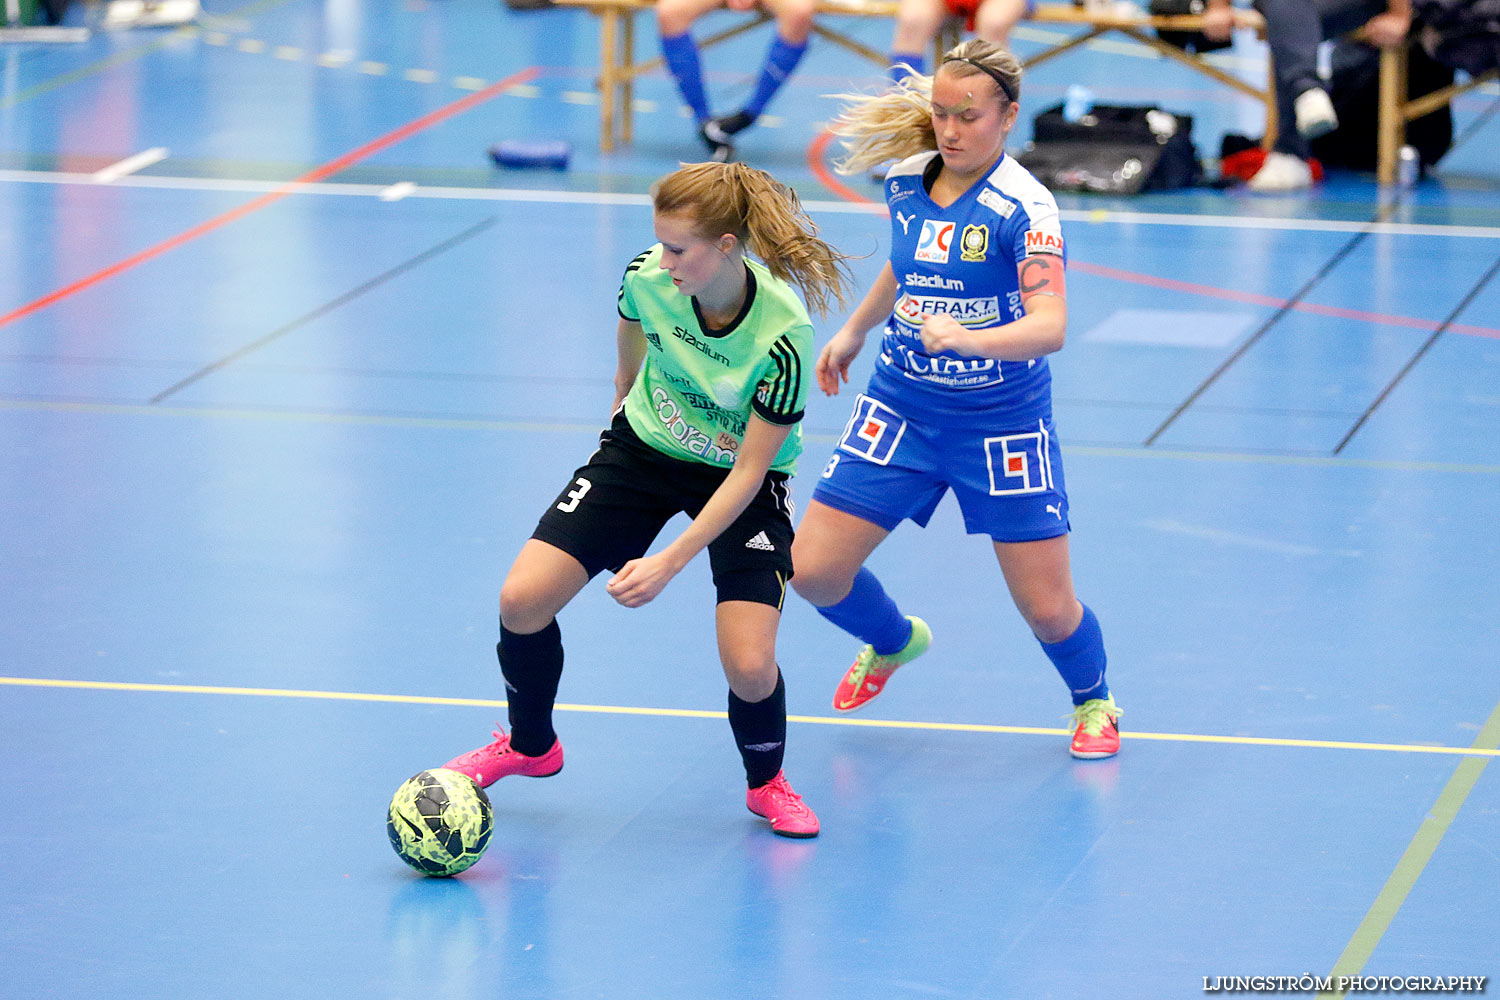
column 532, row 665
column 760, row 732
column 736, row 123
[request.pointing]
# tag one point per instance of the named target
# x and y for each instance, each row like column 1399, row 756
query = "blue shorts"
column 1008, row 480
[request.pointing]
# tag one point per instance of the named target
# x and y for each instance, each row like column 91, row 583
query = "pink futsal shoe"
column 1096, row 732
column 497, row 760
column 788, row 814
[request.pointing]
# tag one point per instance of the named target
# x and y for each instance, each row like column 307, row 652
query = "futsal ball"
column 439, row 822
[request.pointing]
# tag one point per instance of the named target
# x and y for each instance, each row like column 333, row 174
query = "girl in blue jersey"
column 973, row 300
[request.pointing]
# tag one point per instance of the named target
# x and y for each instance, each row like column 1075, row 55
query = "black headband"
column 987, row 71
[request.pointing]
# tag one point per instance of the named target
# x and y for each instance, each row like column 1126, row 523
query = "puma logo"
column 906, row 221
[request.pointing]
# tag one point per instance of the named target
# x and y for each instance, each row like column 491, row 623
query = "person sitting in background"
column 1294, row 30
column 675, row 18
column 918, row 23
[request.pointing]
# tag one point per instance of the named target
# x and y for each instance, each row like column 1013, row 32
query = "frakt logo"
column 935, row 241
column 1038, row 241
column 977, row 312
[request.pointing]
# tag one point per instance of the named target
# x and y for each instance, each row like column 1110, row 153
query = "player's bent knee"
column 751, row 673
column 1053, row 620
column 523, row 608
column 795, row 22
column 821, row 588
column 817, row 581
column 919, row 25
column 752, row 688
column 995, row 28
column 673, row 18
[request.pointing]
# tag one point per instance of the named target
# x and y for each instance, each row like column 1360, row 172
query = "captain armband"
column 1041, row 274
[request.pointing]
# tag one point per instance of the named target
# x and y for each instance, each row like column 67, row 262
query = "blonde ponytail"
column 767, row 217
column 896, row 124
column 876, row 128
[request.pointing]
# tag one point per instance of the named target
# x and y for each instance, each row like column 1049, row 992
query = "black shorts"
column 617, row 503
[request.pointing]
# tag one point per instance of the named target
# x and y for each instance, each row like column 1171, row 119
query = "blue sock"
column 915, row 60
column 1080, row 659
column 681, row 54
column 780, row 62
column 868, row 613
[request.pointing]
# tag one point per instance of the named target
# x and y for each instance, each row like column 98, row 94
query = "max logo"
column 1040, row 242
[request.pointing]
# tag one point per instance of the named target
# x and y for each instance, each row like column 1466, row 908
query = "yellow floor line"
column 685, row 713
column 1423, row 846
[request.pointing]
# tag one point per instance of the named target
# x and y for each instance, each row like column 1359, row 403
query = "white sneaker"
column 1315, row 114
column 1282, row 172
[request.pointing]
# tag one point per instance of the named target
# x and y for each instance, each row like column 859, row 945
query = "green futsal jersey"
column 697, row 388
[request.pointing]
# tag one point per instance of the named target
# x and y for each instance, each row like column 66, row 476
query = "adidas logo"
column 760, row 541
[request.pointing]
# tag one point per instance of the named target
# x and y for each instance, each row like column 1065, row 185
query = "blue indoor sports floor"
column 267, row 449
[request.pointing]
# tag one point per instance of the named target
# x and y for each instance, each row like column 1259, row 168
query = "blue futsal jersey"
column 962, row 260
column 929, row 424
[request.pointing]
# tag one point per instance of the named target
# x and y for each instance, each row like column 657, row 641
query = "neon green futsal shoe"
column 867, row 676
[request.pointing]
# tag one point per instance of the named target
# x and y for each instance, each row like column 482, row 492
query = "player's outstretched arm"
column 840, row 351
column 630, row 340
column 640, row 580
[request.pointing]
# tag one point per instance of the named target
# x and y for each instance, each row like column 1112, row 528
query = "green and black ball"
column 439, row 822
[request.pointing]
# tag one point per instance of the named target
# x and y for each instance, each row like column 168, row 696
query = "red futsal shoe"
column 1096, row 732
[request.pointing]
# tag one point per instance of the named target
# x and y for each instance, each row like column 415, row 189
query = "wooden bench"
column 1396, row 110
column 618, row 66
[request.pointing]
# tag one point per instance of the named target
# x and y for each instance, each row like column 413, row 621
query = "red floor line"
column 328, row 169
column 815, row 152
column 817, row 149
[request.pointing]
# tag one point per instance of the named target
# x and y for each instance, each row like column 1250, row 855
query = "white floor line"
column 398, row 191
column 560, row 197
column 129, row 165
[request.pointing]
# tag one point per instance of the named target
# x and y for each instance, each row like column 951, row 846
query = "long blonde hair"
column 898, row 123
column 766, row 216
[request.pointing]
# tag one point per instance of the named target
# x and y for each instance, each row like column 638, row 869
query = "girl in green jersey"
column 714, row 370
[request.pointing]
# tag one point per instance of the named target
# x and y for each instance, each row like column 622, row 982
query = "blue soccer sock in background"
column 915, row 60
column 868, row 613
column 780, row 61
column 681, row 54
column 1080, row 659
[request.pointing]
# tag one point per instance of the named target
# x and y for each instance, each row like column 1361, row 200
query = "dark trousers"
column 1294, row 29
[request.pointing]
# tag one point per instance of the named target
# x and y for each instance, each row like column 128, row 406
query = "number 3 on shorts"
column 569, row 505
